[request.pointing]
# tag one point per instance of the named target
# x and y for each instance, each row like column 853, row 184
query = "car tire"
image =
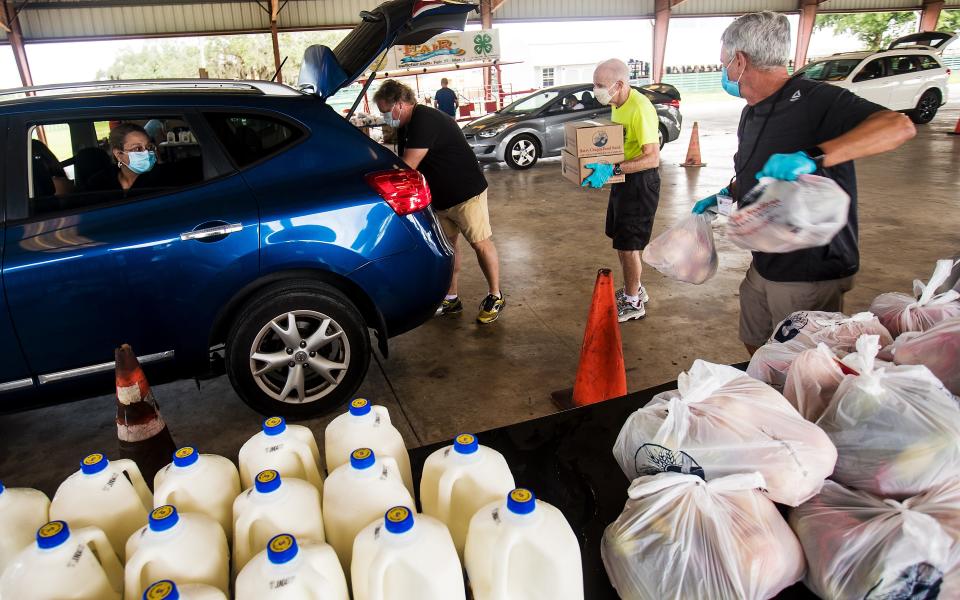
column 927, row 107
column 523, row 152
column 264, row 328
column 663, row 136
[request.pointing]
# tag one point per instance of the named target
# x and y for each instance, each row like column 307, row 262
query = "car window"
column 249, row 138
column 874, row 69
column 531, row 103
column 571, row 103
column 74, row 165
column 928, row 62
column 903, row 65
column 830, row 70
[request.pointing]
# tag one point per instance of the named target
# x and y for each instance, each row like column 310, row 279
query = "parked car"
column 531, row 128
column 280, row 233
column 909, row 76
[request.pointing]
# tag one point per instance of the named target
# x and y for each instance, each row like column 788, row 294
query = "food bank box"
column 593, row 138
column 575, row 169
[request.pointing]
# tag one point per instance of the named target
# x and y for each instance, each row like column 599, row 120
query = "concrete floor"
column 452, row 375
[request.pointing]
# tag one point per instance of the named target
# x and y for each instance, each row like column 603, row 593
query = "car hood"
column 492, row 120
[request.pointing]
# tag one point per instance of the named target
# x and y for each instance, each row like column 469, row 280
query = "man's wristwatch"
column 617, row 170
column 816, row 153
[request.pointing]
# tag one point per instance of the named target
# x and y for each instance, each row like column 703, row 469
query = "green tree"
column 876, row 30
column 949, row 21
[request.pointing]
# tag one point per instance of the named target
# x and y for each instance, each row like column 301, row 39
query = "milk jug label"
column 76, row 556
column 272, row 449
column 276, row 584
column 110, row 482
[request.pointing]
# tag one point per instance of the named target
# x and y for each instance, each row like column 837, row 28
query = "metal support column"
column 486, row 21
column 274, row 16
column 930, row 15
column 15, row 37
column 808, row 18
column 661, row 25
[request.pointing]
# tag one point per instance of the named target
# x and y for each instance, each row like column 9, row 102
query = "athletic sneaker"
column 629, row 312
column 644, row 297
column 450, row 307
column 490, row 309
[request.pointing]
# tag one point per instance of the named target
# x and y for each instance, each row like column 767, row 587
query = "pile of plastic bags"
column 901, row 313
column 784, row 216
column 813, row 379
column 937, row 348
column 686, row 251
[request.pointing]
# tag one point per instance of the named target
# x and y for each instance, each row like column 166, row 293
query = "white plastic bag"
column 783, row 216
column 722, row 422
column 901, row 313
column 812, row 380
column 859, row 546
column 681, row 538
column 686, row 251
column 937, row 348
column 896, row 428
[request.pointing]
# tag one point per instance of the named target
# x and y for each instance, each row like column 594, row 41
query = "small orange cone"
column 956, row 130
column 693, row 152
column 141, row 431
column 601, row 374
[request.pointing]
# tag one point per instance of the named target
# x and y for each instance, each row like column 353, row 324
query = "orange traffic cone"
column 141, row 431
column 693, row 151
column 956, row 130
column 601, row 374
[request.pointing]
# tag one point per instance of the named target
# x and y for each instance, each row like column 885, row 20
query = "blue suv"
column 271, row 236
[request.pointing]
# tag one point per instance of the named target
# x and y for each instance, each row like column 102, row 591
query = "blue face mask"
column 141, row 162
column 730, row 87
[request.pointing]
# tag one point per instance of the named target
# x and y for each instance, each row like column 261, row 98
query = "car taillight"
column 949, row 72
column 675, row 104
column 405, row 190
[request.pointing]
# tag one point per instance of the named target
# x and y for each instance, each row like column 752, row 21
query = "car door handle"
column 216, row 229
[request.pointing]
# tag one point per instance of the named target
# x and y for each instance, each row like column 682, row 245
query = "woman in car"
column 136, row 160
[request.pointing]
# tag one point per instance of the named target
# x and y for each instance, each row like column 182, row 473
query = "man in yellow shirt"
column 633, row 204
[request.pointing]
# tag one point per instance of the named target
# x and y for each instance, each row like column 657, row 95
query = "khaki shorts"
column 471, row 218
column 764, row 303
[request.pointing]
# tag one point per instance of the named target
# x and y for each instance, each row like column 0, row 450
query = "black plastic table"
column 566, row 459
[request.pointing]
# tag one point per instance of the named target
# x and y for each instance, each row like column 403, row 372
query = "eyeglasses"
column 141, row 148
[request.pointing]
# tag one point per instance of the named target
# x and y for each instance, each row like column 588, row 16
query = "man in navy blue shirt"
column 447, row 99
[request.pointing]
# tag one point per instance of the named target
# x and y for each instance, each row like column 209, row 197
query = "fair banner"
column 451, row 48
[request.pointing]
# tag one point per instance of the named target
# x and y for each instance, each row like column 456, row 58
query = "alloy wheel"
column 524, row 153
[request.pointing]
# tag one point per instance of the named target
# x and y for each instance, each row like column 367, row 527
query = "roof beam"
column 808, row 17
column 930, row 15
column 15, row 37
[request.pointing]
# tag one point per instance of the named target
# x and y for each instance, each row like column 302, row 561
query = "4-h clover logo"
column 483, row 43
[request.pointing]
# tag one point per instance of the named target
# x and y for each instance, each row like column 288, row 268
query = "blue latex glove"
column 709, row 202
column 601, row 173
column 788, row 166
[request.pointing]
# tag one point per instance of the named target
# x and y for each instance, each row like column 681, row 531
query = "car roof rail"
column 151, row 85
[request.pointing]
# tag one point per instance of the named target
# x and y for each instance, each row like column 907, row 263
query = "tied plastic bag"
column 680, row 538
column 937, row 348
column 803, row 330
column 896, row 428
column 860, row 546
column 812, row 380
column 784, row 216
column 686, row 251
column 901, row 313
column 722, row 422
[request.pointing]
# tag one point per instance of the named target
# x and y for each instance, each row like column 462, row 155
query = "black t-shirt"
column 450, row 167
column 807, row 114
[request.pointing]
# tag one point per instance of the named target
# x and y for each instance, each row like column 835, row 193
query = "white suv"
column 908, row 76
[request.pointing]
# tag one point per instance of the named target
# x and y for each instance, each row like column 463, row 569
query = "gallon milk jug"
column 166, row 589
column 199, row 483
column 289, row 449
column 188, row 547
column 111, row 495
column 461, row 479
column 22, row 512
column 288, row 570
column 271, row 507
column 79, row 564
column 399, row 558
column 523, row 548
column 366, row 426
column 357, row 494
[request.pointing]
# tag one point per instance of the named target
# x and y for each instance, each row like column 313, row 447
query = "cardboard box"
column 575, row 169
column 593, row 138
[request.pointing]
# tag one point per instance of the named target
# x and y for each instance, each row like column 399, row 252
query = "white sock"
column 634, row 300
column 450, row 297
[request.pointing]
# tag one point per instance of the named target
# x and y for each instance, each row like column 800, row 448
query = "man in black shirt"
column 432, row 143
column 792, row 126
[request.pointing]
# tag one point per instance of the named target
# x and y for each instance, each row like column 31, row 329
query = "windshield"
column 830, row 70
column 531, row 103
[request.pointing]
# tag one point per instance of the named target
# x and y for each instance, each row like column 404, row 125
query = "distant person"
column 571, row 103
column 446, row 99
column 633, row 204
column 156, row 130
column 434, row 145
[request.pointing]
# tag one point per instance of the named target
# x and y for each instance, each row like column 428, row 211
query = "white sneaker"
column 644, row 297
column 628, row 312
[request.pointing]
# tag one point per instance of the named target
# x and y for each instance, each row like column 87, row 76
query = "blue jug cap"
column 362, row 458
column 2, row 487
column 466, row 443
column 267, row 481
column 94, row 463
column 521, row 501
column 186, row 456
column 52, row 534
column 282, row 548
column 162, row 590
column 398, row 519
column 274, row 426
column 163, row 518
column 360, row 407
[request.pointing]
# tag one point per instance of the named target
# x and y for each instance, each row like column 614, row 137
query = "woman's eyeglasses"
column 141, row 148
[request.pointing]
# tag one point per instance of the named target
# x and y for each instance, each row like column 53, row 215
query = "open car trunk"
column 935, row 40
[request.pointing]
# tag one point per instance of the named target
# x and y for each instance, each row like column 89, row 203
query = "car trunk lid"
column 935, row 40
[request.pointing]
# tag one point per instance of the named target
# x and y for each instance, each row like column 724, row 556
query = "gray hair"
column 763, row 36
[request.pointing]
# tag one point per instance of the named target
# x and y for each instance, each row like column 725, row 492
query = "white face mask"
column 603, row 95
column 390, row 120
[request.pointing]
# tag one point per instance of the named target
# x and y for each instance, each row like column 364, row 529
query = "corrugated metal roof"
column 732, row 7
column 574, row 9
